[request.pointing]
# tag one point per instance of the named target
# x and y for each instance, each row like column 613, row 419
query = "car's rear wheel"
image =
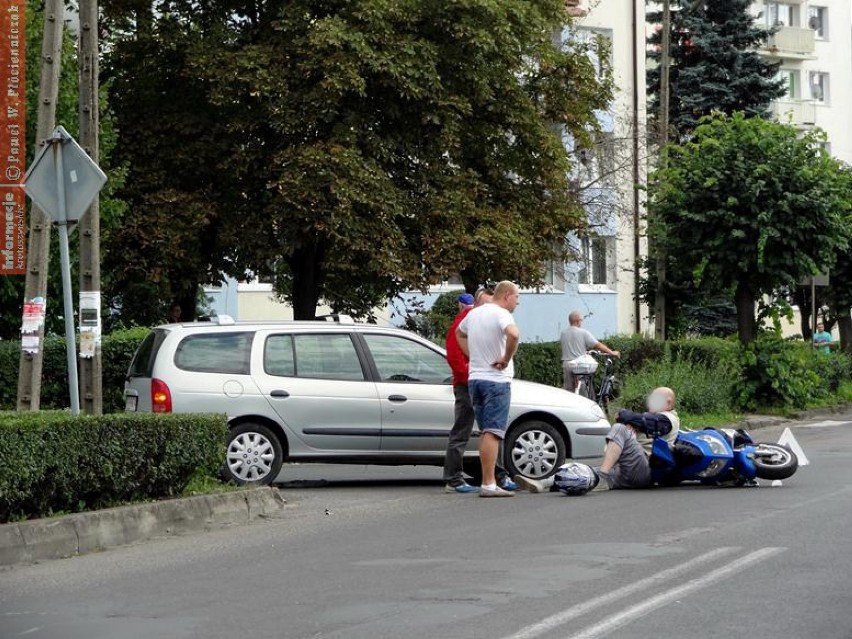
column 254, row 455
column 534, row 449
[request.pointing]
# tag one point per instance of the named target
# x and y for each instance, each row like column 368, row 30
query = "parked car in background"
column 343, row 393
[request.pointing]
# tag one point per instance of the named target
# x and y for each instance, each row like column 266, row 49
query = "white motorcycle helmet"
column 576, row 479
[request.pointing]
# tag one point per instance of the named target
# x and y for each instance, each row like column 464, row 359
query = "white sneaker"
column 495, row 492
column 531, row 485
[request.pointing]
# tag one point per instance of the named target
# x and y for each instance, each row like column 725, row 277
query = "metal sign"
column 816, row 280
column 82, row 178
column 64, row 181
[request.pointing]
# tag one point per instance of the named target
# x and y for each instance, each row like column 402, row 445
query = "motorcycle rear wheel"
column 774, row 461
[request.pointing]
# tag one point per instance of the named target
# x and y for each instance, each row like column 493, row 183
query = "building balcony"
column 791, row 43
column 799, row 113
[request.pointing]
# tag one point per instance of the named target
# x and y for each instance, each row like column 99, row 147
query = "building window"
column 554, row 276
column 779, row 14
column 599, row 47
column 595, row 260
column 791, row 83
column 818, row 82
column 818, row 21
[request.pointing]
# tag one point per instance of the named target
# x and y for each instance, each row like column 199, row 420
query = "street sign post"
column 63, row 181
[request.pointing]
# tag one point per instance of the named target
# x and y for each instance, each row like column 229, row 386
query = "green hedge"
column 117, row 351
column 710, row 375
column 53, row 462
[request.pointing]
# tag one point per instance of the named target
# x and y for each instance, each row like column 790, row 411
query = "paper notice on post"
column 29, row 343
column 33, row 318
column 88, row 339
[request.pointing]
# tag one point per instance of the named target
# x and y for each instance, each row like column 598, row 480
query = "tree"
column 715, row 64
column 749, row 206
column 172, row 145
column 396, row 142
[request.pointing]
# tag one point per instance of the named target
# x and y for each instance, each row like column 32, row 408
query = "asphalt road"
column 384, row 553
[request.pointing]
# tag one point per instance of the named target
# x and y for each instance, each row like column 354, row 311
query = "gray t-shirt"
column 633, row 469
column 576, row 341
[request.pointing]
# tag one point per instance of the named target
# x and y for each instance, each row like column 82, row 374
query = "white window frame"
column 597, row 261
column 781, row 14
column 792, row 83
column 819, row 87
column 820, row 13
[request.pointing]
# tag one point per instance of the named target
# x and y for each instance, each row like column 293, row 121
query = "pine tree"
column 714, row 63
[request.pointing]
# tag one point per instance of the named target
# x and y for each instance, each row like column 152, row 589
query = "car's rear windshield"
column 215, row 353
column 143, row 361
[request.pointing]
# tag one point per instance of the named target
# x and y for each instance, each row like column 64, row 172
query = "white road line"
column 623, row 618
column 553, row 622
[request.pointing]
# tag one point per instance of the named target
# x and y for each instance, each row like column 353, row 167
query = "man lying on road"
column 628, row 449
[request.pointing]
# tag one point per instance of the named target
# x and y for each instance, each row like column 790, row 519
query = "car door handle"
column 279, row 393
column 398, row 398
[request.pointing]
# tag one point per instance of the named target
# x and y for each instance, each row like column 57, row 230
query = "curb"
column 81, row 533
column 765, row 421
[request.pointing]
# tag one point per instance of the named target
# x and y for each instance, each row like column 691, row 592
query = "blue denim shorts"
column 491, row 405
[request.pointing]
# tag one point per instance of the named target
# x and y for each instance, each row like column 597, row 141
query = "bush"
column 117, row 350
column 53, row 462
column 700, row 388
column 542, row 361
column 434, row 323
column 539, row 362
column 710, row 351
column 778, row 373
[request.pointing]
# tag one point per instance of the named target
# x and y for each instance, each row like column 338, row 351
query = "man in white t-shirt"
column 489, row 337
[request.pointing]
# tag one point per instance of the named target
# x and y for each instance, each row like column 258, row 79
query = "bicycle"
column 584, row 373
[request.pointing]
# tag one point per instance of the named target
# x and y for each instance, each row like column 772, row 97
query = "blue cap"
column 466, row 298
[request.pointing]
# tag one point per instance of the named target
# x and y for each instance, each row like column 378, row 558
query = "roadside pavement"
column 81, row 533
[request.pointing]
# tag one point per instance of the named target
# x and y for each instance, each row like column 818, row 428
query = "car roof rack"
column 339, row 318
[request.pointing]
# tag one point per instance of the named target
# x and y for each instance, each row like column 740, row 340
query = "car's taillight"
column 161, row 397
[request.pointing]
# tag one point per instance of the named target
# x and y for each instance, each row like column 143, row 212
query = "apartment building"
column 813, row 43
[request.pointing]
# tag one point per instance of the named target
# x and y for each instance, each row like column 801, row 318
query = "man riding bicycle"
column 576, row 342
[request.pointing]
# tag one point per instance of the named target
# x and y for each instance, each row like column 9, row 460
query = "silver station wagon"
column 343, row 393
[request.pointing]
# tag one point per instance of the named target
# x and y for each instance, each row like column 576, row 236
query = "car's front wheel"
column 254, row 455
column 534, row 449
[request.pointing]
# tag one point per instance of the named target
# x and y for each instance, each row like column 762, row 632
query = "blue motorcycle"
column 719, row 457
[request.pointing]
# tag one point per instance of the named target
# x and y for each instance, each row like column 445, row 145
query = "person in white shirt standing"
column 489, row 337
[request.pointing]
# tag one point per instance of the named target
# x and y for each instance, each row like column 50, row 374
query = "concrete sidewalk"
column 764, row 421
column 81, row 533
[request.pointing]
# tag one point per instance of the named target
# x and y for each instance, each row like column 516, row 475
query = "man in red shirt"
column 464, row 418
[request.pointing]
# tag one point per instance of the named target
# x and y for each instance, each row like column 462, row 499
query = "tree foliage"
column 749, row 206
column 715, row 65
column 350, row 150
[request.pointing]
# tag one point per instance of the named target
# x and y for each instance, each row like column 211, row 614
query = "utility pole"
column 38, row 258
column 91, row 379
column 665, row 86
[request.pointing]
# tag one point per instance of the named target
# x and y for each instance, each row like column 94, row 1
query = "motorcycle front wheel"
column 774, row 461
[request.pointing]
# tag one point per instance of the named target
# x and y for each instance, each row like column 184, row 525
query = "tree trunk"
column 844, row 323
column 188, row 301
column 802, row 299
column 746, row 324
column 306, row 266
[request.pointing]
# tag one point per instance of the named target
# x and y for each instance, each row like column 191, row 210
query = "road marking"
column 788, row 439
column 554, row 621
column 635, row 612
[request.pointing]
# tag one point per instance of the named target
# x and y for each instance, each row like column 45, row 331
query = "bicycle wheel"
column 588, row 390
